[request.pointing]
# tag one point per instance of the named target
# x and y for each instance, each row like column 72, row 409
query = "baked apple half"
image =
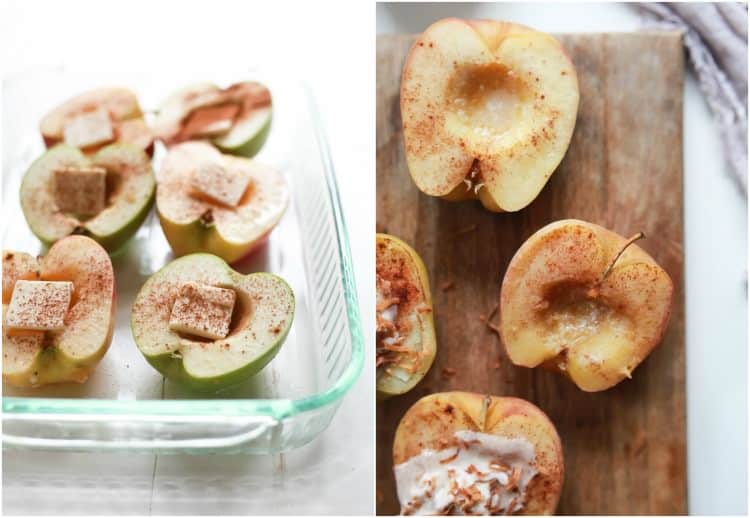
column 96, row 118
column 236, row 119
column 488, row 110
column 215, row 203
column 105, row 196
column 584, row 301
column 467, row 453
column 199, row 322
column 58, row 312
column 405, row 329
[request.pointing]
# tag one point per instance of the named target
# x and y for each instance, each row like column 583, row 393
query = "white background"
column 715, row 252
column 331, row 47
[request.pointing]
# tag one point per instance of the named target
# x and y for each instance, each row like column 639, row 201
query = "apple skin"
column 172, row 368
column 53, row 365
column 250, row 148
column 438, row 161
column 117, row 241
column 437, row 417
column 427, row 330
column 200, row 237
column 578, row 253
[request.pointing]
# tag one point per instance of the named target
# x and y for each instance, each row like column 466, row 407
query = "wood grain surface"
column 624, row 448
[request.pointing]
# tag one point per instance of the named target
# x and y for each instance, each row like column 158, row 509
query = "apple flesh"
column 129, row 192
column 119, row 104
column 432, row 422
column 195, row 223
column 261, row 320
column 35, row 358
column 236, row 119
column 405, row 329
column 488, row 110
column 569, row 302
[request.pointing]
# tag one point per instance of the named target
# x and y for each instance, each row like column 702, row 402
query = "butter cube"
column 39, row 305
column 89, row 129
column 220, row 184
column 203, row 310
column 81, row 190
column 210, row 121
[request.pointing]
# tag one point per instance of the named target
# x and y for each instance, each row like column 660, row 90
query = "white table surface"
column 715, row 257
column 334, row 474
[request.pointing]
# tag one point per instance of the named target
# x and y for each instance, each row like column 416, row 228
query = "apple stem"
column 639, row 235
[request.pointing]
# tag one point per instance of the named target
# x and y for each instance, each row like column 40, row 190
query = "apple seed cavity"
column 487, row 98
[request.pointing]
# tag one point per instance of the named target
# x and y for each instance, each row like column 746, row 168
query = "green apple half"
column 37, row 358
column 406, row 343
column 121, row 104
column 261, row 319
column 249, row 127
column 130, row 194
column 193, row 224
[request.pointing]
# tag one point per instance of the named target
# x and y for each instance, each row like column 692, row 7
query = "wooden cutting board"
column 624, row 448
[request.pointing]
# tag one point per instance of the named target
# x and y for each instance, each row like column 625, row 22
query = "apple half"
column 130, row 187
column 468, row 453
column 118, row 104
column 405, row 329
column 194, row 223
column 488, row 110
column 584, row 301
column 261, row 319
column 236, row 119
column 35, row 358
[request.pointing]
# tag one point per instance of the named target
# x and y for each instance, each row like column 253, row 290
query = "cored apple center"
column 573, row 313
column 487, row 98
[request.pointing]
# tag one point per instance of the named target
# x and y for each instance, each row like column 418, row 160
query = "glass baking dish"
column 126, row 404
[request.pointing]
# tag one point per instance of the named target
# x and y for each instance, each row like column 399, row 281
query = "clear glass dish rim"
column 277, row 409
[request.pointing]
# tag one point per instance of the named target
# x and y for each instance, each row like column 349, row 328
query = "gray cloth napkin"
column 716, row 40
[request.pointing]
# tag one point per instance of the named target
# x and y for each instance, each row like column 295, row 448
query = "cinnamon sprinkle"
column 203, row 310
column 39, row 305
